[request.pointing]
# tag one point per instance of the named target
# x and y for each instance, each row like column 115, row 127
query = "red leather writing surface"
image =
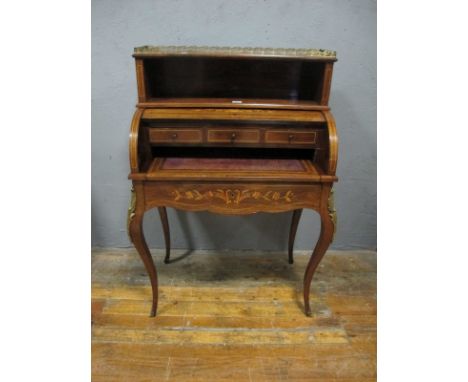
column 237, row 164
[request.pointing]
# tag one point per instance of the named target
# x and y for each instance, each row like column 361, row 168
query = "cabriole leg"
column 167, row 235
column 327, row 230
column 292, row 233
column 135, row 230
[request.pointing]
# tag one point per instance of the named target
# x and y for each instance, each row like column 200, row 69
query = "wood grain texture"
column 232, row 199
column 311, row 174
column 221, row 322
column 326, row 85
column 133, row 141
column 141, row 82
column 230, row 80
column 292, row 136
column 327, row 228
column 220, row 103
column 207, row 113
column 292, row 233
column 138, row 239
column 332, row 159
column 175, row 136
column 234, row 119
column 237, row 136
column 233, row 135
column 167, row 235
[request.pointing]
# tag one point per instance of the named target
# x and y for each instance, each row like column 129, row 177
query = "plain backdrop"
column 349, row 27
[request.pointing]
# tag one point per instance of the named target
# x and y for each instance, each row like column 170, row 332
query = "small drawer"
column 162, row 135
column 233, row 136
column 290, row 137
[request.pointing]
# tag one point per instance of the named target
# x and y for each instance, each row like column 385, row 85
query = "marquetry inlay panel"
column 229, row 199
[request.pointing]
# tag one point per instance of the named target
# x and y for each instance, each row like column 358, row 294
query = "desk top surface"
column 149, row 50
column 232, row 164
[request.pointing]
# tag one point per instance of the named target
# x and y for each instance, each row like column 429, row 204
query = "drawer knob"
column 174, row 136
column 290, row 137
column 233, row 137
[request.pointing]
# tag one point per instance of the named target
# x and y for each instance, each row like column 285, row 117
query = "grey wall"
column 349, row 27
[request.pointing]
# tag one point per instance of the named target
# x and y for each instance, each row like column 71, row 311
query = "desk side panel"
column 139, row 148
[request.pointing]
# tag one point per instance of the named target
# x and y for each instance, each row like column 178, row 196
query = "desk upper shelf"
column 234, row 77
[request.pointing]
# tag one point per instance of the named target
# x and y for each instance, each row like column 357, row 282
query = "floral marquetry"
column 233, row 131
column 235, row 196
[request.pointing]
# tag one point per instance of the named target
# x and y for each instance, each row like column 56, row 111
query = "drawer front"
column 292, row 137
column 235, row 199
column 168, row 136
column 233, row 136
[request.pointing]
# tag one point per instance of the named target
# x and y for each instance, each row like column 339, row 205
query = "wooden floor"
column 233, row 317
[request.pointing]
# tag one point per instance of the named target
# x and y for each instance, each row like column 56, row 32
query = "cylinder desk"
column 233, row 131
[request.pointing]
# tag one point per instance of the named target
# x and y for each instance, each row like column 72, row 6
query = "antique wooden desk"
column 233, row 131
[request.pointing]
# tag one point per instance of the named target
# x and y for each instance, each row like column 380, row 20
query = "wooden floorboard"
column 233, row 317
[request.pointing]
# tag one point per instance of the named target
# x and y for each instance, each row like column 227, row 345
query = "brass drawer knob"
column 290, row 137
column 233, row 137
column 174, row 136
